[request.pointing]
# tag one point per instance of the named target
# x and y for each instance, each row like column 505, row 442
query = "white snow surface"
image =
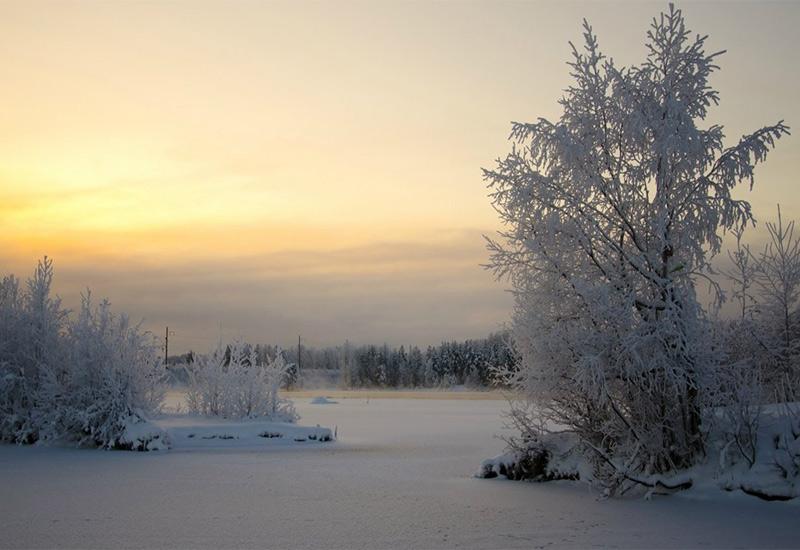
column 186, row 432
column 400, row 475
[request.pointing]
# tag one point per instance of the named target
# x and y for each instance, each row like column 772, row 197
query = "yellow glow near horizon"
column 300, row 138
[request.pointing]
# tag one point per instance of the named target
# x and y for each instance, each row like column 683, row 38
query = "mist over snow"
column 395, row 292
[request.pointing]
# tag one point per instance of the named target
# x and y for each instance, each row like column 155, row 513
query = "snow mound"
column 142, row 435
column 771, row 473
column 195, row 432
column 322, row 400
column 539, row 460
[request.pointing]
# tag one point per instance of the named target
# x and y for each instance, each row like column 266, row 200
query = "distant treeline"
column 468, row 363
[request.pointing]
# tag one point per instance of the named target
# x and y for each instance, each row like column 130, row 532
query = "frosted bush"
column 31, row 347
column 85, row 380
column 114, row 378
column 233, row 383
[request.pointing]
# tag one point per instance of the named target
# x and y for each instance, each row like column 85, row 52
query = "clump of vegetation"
column 234, row 382
column 92, row 380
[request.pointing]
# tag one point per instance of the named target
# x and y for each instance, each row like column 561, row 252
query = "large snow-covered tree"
column 611, row 214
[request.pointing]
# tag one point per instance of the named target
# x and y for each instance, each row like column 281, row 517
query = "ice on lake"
column 399, row 476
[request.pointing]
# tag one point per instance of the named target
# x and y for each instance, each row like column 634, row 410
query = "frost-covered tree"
column 31, row 344
column 112, row 380
column 743, row 337
column 469, row 362
column 611, row 214
column 743, row 276
column 766, row 288
column 777, row 277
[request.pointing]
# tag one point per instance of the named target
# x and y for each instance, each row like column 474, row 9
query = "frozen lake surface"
column 400, row 476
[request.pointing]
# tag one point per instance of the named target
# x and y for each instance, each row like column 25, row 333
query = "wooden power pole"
column 167, row 334
column 166, row 345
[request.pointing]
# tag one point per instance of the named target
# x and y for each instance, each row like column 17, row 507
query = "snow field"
column 400, row 475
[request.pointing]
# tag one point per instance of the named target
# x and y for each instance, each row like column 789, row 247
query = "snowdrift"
column 196, row 432
column 773, row 475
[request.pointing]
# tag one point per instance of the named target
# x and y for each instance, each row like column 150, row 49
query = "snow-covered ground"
column 187, row 432
column 399, row 476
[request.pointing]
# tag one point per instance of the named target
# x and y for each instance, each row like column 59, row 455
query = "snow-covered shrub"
column 786, row 442
column 232, row 382
column 141, row 435
column 766, row 288
column 86, row 380
column 738, row 422
column 771, row 470
column 114, row 379
column 611, row 215
column 760, row 385
column 777, row 278
column 547, row 458
column 32, row 348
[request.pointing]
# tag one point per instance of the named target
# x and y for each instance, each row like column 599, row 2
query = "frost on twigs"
column 233, row 382
column 611, row 215
column 91, row 380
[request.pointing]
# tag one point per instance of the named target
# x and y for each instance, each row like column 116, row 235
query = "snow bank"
column 190, row 432
column 539, row 460
column 773, row 475
column 142, row 435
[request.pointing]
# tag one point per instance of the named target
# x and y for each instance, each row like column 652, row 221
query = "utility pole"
column 298, row 357
column 166, row 344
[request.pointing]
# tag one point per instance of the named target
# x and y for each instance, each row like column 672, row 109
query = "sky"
column 268, row 169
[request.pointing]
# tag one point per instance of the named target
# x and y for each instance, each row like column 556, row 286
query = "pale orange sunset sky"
column 263, row 169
